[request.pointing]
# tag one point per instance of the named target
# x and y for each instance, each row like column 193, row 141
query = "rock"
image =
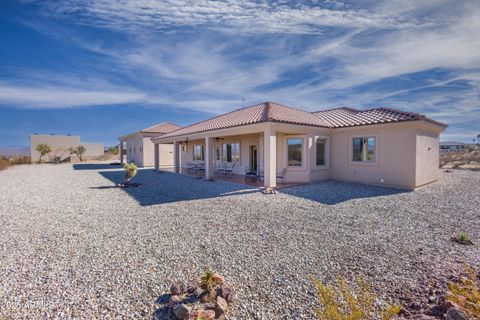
column 177, row 289
column 220, row 307
column 227, row 293
column 208, row 296
column 415, row 306
column 446, row 305
column 202, row 314
column 432, row 299
column 173, row 301
column 456, row 314
column 218, row 279
column 192, row 286
column 181, row 311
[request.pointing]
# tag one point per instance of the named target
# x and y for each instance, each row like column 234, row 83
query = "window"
column 321, row 152
column 295, row 151
column 231, row 152
column 364, row 149
column 198, row 152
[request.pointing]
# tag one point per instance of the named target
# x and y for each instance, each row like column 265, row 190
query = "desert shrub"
column 131, row 171
column 463, row 238
column 207, row 280
column 342, row 302
column 4, row 163
column 466, row 292
column 21, row 160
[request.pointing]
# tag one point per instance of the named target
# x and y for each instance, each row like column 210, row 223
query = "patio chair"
column 261, row 175
column 229, row 166
column 281, row 176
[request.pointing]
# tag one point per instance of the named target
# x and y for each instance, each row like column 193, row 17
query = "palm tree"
column 43, row 149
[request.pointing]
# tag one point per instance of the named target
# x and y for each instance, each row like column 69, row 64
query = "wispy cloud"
column 208, row 55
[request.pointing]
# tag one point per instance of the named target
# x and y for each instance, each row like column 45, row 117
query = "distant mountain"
column 14, row 151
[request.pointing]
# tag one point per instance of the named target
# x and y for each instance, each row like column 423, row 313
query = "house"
column 379, row 146
column 448, row 146
column 61, row 145
column 140, row 148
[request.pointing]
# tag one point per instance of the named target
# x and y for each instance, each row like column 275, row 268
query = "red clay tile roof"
column 164, row 127
column 274, row 112
column 348, row 117
column 262, row 112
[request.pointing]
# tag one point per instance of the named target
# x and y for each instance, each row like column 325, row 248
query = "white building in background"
column 448, row 146
column 140, row 148
column 60, row 145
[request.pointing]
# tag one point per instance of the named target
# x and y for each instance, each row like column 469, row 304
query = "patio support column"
column 121, row 152
column 208, row 158
column 176, row 157
column 270, row 157
column 157, row 156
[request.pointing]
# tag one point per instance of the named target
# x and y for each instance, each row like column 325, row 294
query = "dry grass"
column 466, row 292
column 345, row 303
column 8, row 162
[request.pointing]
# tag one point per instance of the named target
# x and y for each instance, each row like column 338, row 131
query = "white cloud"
column 61, row 97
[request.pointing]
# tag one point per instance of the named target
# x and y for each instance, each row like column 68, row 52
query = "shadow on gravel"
column 334, row 192
column 162, row 313
column 95, row 166
column 166, row 187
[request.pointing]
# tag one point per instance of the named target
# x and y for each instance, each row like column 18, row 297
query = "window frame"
column 224, row 152
column 202, row 152
column 303, row 165
column 327, row 152
column 365, row 163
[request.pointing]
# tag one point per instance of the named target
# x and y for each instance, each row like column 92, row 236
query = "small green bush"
column 463, row 238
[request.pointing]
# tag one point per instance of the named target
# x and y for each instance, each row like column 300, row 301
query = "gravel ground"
column 71, row 247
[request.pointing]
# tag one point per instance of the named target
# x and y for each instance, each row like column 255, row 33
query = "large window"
column 295, row 151
column 231, row 152
column 198, row 152
column 321, row 152
column 364, row 149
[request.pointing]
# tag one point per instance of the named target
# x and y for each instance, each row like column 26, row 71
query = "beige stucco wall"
column 141, row 150
column 406, row 153
column 395, row 155
column 60, row 146
column 427, row 159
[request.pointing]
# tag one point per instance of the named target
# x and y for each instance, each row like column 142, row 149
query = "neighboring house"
column 60, row 145
column 139, row 146
column 449, row 146
column 378, row 146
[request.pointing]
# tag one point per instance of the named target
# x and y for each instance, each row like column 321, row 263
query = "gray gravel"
column 71, row 247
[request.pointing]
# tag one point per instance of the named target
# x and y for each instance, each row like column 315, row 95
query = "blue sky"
column 104, row 68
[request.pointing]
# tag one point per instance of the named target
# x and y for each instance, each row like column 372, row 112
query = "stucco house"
column 379, row 146
column 139, row 146
column 60, row 145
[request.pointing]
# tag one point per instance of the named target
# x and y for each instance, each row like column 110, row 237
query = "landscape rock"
column 202, row 314
column 446, row 305
column 181, row 311
column 220, row 307
column 456, row 314
column 227, row 293
column 173, row 301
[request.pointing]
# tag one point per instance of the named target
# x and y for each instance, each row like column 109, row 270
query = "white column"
column 157, row 156
column 209, row 168
column 176, row 157
column 270, row 157
column 121, row 151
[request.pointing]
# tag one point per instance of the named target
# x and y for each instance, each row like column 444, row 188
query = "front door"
column 253, row 158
